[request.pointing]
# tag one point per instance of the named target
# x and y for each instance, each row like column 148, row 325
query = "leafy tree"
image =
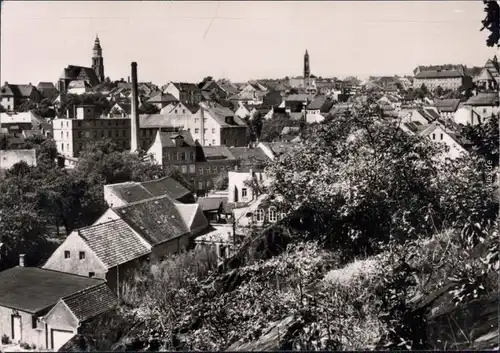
column 26, row 106
column 271, row 128
column 148, row 108
column 439, row 91
column 485, row 139
column 221, row 182
column 492, row 22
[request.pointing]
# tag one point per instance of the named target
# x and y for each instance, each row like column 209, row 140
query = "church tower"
column 307, row 69
column 97, row 60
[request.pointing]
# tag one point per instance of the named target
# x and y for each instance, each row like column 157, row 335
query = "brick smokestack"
column 134, row 119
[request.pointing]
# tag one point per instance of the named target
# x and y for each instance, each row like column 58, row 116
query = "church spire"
column 97, row 59
column 307, row 69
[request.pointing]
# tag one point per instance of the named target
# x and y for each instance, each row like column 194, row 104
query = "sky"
column 186, row 41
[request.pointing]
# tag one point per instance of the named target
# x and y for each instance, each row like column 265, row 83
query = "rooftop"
column 484, row 99
column 33, row 289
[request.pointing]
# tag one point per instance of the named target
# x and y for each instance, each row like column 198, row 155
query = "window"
column 117, row 133
column 213, row 142
column 205, row 142
column 184, row 169
column 200, row 170
column 191, row 156
column 196, row 131
column 196, row 120
column 192, row 169
column 273, row 216
column 259, row 215
column 205, row 131
column 80, row 134
column 207, row 170
column 34, row 321
column 174, row 155
column 484, row 111
column 95, row 134
column 183, row 156
column 62, row 134
column 209, row 183
column 213, row 131
column 214, row 169
column 67, row 254
column 67, row 124
column 205, row 120
column 82, row 255
column 235, row 143
column 224, row 142
column 91, row 274
column 102, row 133
column 433, row 136
column 62, row 147
column 67, row 146
column 441, row 136
column 183, row 111
column 200, row 185
column 244, row 193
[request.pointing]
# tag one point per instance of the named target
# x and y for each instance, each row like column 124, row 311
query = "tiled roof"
column 33, row 289
column 167, row 138
column 484, row 99
column 46, row 85
column 447, row 105
column 245, row 153
column 216, row 153
column 166, row 186
column 192, row 218
column 155, row 120
column 157, row 219
column 439, row 74
column 220, row 113
column 186, row 87
column 113, row 242
column 130, row 192
column 126, row 107
column 415, row 126
column 72, row 72
column 212, row 203
column 91, row 302
column 17, row 90
column 162, row 98
column 228, row 87
column 429, row 114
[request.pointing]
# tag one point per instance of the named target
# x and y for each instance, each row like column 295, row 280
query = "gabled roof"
column 429, row 114
column 91, row 302
column 167, row 138
column 220, row 113
column 125, row 106
column 73, row 72
column 439, row 74
column 46, row 85
column 166, row 186
column 447, row 105
column 186, row 87
column 211, row 153
column 321, row 103
column 157, row 219
column 212, row 203
column 484, row 99
column 17, row 90
column 415, row 126
column 249, row 154
column 192, row 218
column 33, row 289
column 113, row 242
column 228, row 87
column 133, row 191
column 162, row 98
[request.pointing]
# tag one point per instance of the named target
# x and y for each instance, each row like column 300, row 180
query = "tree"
column 26, row 106
column 148, row 108
column 485, row 139
column 492, row 22
column 439, row 92
column 271, row 128
column 221, row 182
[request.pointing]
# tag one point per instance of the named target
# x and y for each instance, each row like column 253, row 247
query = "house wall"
column 464, row 116
column 234, row 136
column 74, row 244
column 236, row 186
column 119, row 275
column 60, row 318
column 173, row 91
column 314, row 116
column 107, row 216
column 8, row 103
column 440, row 136
column 206, row 172
column 170, row 247
column 485, row 112
column 29, row 334
column 445, row 83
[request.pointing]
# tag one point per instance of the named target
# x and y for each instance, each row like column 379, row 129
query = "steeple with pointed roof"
column 97, row 59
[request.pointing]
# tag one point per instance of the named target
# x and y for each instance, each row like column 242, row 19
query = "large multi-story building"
column 82, row 126
column 447, row 78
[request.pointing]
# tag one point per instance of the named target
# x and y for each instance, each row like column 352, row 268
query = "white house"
column 484, row 104
column 467, row 116
column 437, row 133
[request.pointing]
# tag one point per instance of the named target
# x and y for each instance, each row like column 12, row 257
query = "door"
column 16, row 328
column 60, row 337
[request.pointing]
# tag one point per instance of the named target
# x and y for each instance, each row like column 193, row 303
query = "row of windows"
column 102, row 133
column 201, row 170
column 272, row 216
column 101, row 122
column 180, row 156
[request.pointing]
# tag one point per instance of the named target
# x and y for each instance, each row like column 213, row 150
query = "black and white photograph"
column 249, row 175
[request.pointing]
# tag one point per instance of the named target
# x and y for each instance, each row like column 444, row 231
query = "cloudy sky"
column 185, row 41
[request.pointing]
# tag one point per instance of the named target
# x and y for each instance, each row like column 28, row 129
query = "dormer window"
column 229, row 120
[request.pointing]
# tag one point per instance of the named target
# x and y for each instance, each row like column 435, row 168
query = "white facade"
column 171, row 89
column 439, row 135
column 238, row 191
column 466, row 116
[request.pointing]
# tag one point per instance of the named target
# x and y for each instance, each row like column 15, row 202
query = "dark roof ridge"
column 70, row 274
column 154, row 198
column 83, row 290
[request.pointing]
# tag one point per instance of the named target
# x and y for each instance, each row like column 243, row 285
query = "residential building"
column 447, row 107
column 13, row 95
column 454, row 142
column 446, row 79
column 45, row 308
column 161, row 100
column 120, row 109
column 212, row 88
column 184, row 92
column 219, row 126
column 296, row 103
column 484, row 104
column 466, row 115
column 249, row 158
column 16, row 123
column 318, row 109
column 424, row 116
column 72, row 134
column 79, row 87
column 219, row 237
column 10, row 157
column 167, row 226
column 110, row 250
column 175, row 149
column 121, row 194
column 211, row 162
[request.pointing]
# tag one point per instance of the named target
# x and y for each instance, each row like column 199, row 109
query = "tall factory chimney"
column 134, row 119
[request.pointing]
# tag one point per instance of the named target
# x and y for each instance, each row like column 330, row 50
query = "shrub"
column 6, row 339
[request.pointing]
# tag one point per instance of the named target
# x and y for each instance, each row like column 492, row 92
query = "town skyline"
column 258, row 28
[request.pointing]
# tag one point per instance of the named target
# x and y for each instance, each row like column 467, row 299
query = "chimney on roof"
column 21, row 260
column 134, row 143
